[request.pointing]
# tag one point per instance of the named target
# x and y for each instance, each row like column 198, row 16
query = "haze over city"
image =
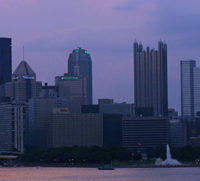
column 50, row 29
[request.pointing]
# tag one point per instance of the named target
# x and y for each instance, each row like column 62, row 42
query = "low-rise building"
column 74, row 129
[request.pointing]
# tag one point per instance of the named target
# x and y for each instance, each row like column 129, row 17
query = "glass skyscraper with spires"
column 150, row 80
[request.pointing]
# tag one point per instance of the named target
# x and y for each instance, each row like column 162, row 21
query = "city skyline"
column 50, row 30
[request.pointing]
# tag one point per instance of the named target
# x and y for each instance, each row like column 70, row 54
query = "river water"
column 90, row 174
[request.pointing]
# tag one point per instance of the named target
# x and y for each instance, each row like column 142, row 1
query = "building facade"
column 23, row 85
column 74, row 89
column 105, row 101
column 80, row 64
column 75, row 129
column 12, row 127
column 190, row 88
column 150, row 78
column 5, row 60
column 40, row 110
column 117, row 108
column 178, row 133
column 144, row 132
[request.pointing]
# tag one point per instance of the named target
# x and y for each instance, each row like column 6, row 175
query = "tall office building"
column 12, row 126
column 190, row 88
column 80, row 64
column 5, row 60
column 150, row 80
column 74, row 89
column 24, row 85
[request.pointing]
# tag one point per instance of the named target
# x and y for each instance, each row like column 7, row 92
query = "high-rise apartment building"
column 5, row 60
column 190, row 88
column 150, row 79
column 80, row 64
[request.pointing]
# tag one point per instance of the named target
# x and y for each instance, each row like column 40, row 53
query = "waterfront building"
column 139, row 133
column 112, row 130
column 112, row 120
column 74, row 129
column 80, row 64
column 12, row 126
column 190, row 88
column 150, row 80
column 40, row 109
column 178, row 133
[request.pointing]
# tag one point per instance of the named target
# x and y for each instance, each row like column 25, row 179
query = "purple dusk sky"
column 50, row 29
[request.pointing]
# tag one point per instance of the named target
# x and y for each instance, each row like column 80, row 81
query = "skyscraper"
column 190, row 88
column 11, row 126
column 80, row 64
column 5, row 60
column 24, row 85
column 74, row 88
column 150, row 79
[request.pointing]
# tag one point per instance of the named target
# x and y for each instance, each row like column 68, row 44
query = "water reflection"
column 90, row 174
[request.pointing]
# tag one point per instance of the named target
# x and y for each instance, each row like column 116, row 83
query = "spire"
column 23, row 52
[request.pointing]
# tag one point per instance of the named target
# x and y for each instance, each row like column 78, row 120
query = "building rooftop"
column 23, row 69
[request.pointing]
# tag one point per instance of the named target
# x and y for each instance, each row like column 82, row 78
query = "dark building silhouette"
column 105, row 101
column 5, row 60
column 90, row 108
column 140, row 133
column 193, row 126
column 120, row 108
column 150, row 79
column 112, row 130
column 112, row 123
column 178, row 133
column 80, row 64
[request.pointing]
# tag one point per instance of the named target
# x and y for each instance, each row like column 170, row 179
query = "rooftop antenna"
column 23, row 52
column 79, row 47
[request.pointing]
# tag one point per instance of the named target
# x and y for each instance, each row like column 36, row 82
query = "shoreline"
column 78, row 165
